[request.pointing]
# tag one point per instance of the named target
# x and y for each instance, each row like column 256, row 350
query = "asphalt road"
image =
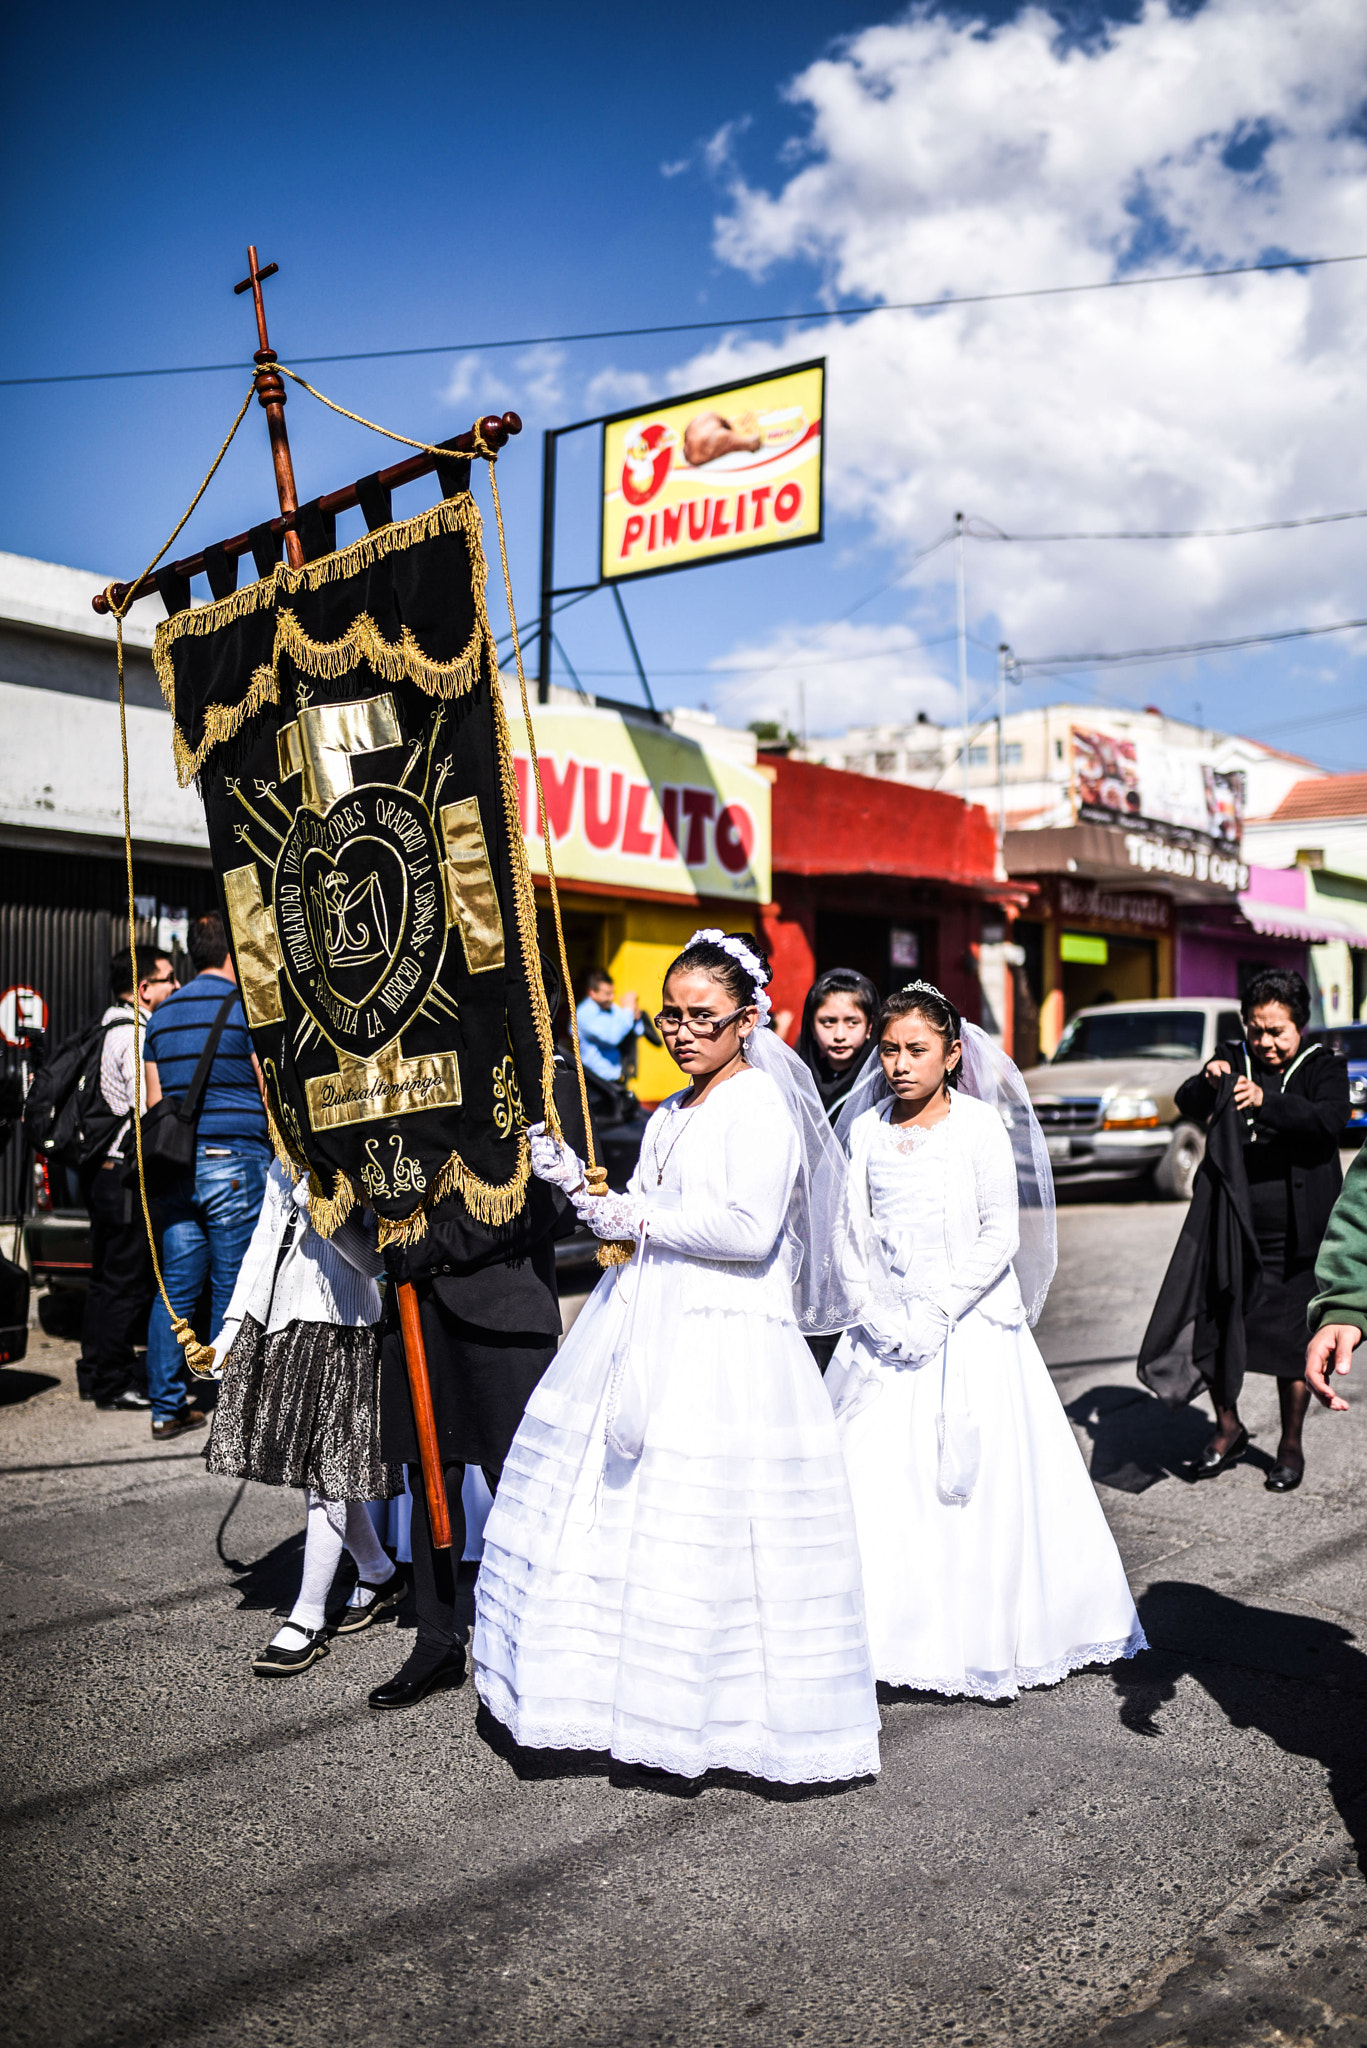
column 1165, row 1853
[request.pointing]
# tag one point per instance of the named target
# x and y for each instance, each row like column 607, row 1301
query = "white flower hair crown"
column 742, row 954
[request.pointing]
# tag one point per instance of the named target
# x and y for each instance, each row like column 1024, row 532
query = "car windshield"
column 1134, row 1035
column 1350, row 1041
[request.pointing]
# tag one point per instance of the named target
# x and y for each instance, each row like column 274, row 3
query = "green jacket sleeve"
column 1341, row 1268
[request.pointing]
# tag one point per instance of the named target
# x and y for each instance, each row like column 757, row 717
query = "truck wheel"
column 1176, row 1170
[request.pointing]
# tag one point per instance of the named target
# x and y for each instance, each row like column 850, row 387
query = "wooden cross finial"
column 252, row 283
column 270, row 392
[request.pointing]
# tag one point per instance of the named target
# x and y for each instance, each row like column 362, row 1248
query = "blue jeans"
column 207, row 1224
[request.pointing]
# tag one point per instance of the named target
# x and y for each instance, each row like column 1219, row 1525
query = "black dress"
column 1291, row 1161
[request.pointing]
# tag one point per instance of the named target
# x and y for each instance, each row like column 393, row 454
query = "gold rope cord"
column 198, row 1357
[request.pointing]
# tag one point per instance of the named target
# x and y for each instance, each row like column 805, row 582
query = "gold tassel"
column 199, row 1358
column 616, row 1251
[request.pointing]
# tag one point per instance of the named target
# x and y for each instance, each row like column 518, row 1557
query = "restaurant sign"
column 735, row 470
column 636, row 806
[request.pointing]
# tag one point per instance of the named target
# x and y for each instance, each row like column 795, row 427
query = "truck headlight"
column 1131, row 1113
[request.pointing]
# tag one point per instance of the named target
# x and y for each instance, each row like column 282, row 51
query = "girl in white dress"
column 670, row 1567
column 988, row 1564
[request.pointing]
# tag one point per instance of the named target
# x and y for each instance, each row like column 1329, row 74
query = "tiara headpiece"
column 923, row 988
column 742, row 954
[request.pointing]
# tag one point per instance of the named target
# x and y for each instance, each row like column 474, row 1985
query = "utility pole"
column 963, row 646
column 1004, row 659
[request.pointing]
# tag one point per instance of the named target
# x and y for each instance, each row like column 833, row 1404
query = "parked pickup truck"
column 1105, row 1100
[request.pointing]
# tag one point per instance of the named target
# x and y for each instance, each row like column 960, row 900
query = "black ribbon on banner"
column 345, row 724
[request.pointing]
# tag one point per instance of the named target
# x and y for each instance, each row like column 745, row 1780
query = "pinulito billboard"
column 736, row 470
column 1140, row 780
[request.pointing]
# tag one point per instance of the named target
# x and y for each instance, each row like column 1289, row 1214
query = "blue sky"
column 473, row 173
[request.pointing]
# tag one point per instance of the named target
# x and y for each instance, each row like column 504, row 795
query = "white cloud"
column 826, row 677
column 615, row 388
column 943, row 158
column 719, row 149
column 677, row 168
column 536, row 387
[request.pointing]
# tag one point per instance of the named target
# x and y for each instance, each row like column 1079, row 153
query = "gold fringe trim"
column 407, row 660
column 290, row 1160
column 363, row 641
column 487, row 1202
column 221, row 721
column 524, row 896
column 329, row 1212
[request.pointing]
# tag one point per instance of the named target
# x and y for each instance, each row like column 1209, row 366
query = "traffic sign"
column 23, row 1014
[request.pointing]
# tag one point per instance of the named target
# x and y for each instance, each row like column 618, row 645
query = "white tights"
column 331, row 1525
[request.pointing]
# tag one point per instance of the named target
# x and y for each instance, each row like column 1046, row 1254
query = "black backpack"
column 66, row 1118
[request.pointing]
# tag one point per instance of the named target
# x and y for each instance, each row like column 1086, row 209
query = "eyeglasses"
column 158, row 980
column 670, row 1022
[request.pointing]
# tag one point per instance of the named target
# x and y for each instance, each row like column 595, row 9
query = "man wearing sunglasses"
column 119, row 1298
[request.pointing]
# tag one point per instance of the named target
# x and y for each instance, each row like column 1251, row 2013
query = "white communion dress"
column 988, row 1564
column 670, row 1565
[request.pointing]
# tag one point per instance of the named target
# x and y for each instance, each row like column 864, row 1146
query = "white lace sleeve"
column 979, row 1265
column 760, row 1162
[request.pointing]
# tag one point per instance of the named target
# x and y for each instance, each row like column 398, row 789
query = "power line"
column 1057, row 663
column 446, row 348
column 982, row 529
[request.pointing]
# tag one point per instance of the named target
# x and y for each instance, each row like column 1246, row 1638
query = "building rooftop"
column 50, row 598
column 1323, row 796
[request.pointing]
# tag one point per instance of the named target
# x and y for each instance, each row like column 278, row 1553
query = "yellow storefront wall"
column 636, row 941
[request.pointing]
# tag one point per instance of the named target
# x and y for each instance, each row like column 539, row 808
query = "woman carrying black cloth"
column 1289, row 1104
column 836, row 1039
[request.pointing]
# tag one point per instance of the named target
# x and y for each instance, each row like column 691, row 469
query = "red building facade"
column 899, row 882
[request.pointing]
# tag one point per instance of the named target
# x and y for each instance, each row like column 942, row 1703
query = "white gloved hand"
column 553, row 1161
column 610, row 1215
column 221, row 1345
column 922, row 1332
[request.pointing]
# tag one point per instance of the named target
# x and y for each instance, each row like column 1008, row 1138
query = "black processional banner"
column 345, row 724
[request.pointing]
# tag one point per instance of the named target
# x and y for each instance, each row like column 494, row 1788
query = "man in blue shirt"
column 605, row 1025
column 208, row 1219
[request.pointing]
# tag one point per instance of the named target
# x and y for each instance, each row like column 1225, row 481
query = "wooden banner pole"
column 424, row 1418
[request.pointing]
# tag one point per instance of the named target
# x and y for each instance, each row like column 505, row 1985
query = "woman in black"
column 836, row 1038
column 1291, row 1104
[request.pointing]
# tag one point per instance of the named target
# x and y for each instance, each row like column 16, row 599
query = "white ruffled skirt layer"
column 697, row 1607
column 1017, row 1586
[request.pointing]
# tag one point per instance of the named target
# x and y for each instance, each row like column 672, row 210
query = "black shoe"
column 1212, row 1461
column 129, row 1398
column 1284, row 1478
column 274, row 1662
column 387, row 1595
column 418, row 1678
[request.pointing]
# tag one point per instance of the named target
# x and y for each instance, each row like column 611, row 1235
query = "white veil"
column 829, row 1257
column 988, row 1073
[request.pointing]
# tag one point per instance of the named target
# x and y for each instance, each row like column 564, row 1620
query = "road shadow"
column 17, row 1384
column 533, row 1766
column 1136, row 1441
column 1231, row 1649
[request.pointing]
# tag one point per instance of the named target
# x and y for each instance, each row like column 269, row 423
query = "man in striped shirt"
column 208, row 1220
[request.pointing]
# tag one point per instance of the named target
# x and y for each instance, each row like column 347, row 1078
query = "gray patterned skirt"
column 301, row 1407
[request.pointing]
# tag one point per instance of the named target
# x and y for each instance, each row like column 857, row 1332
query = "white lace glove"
column 922, row 1332
column 608, row 1216
column 553, row 1161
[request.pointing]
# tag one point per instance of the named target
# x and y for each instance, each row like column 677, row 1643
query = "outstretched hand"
column 1330, row 1350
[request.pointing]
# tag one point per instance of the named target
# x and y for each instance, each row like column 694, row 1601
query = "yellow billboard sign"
column 636, row 806
column 732, row 471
